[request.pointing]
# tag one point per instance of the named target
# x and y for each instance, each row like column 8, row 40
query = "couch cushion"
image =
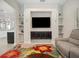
column 63, row 47
column 75, row 34
column 74, row 41
column 74, row 51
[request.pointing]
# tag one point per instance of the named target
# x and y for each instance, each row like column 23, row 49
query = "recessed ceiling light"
column 42, row 0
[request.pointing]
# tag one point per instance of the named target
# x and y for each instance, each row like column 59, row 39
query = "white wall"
column 18, row 10
column 69, row 13
column 28, row 28
column 14, row 4
column 8, row 11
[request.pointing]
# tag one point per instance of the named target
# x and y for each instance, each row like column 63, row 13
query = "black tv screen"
column 40, row 22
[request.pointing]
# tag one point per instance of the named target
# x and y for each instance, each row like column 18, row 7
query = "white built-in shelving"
column 21, row 29
column 60, row 24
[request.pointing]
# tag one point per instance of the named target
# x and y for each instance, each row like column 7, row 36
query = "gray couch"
column 69, row 47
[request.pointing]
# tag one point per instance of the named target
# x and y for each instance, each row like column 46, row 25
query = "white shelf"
column 20, row 29
column 21, row 33
column 60, row 25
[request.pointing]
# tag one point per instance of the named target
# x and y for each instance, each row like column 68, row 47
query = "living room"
column 47, row 27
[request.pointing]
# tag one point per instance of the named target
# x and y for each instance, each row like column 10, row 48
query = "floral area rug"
column 36, row 51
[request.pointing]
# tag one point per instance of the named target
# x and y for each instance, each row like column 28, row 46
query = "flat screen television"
column 40, row 22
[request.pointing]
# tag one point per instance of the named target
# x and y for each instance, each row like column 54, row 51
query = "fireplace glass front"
column 41, row 35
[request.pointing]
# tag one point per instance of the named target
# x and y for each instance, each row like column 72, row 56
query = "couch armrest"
column 62, row 39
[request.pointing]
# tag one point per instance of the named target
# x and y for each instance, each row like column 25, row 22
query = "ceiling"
column 25, row 2
column 44, row 1
column 35, row 3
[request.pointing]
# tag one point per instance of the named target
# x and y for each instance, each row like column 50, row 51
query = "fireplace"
column 40, row 25
column 41, row 22
column 41, row 35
